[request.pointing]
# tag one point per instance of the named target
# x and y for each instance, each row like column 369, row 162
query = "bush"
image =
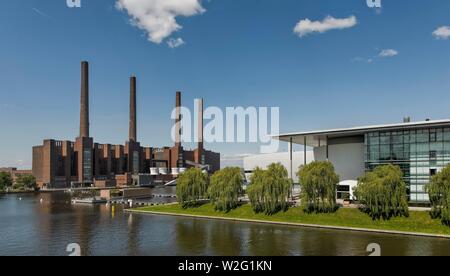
column 383, row 193
column 25, row 182
column 192, row 187
column 226, row 188
column 318, row 184
column 439, row 191
column 270, row 190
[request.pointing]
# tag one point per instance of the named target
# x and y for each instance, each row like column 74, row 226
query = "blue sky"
column 236, row 53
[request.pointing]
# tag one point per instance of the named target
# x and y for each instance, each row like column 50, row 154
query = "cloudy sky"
column 325, row 63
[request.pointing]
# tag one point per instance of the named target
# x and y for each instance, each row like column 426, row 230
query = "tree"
column 270, row 190
column 318, row 184
column 439, row 191
column 5, row 180
column 192, row 187
column 383, row 193
column 25, row 182
column 226, row 188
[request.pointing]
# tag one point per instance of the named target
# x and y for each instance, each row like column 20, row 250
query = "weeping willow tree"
column 383, row 193
column 226, row 188
column 318, row 184
column 439, row 192
column 192, row 188
column 270, row 189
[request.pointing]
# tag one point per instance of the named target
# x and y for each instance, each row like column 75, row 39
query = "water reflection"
column 34, row 227
column 226, row 238
column 191, row 236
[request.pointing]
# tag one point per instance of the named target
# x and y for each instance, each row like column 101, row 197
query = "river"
column 31, row 227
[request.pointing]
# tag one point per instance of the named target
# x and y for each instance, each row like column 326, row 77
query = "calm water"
column 28, row 227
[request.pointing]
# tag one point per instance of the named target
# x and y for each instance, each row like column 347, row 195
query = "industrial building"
column 420, row 149
column 85, row 163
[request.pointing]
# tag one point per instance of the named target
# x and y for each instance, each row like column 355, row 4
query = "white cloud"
column 388, row 53
column 442, row 32
column 158, row 17
column 306, row 26
column 175, row 43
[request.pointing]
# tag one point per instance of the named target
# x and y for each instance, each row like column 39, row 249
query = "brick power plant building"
column 84, row 163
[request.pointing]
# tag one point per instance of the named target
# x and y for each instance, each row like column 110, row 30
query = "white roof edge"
column 363, row 128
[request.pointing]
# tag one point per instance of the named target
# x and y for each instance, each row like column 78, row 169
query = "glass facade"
column 419, row 153
column 135, row 162
column 87, row 165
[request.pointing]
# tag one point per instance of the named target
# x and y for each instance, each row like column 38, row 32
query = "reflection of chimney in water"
column 178, row 120
column 84, row 104
column 133, row 116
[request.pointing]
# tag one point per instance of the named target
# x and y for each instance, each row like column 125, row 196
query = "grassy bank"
column 418, row 222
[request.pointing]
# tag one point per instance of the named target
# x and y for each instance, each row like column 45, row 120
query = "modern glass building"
column 420, row 153
column 420, row 149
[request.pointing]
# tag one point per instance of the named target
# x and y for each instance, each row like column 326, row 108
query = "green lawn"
column 419, row 222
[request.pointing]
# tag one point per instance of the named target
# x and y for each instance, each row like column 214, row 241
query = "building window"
column 433, row 137
column 420, row 154
column 87, row 165
column 433, row 154
column 135, row 162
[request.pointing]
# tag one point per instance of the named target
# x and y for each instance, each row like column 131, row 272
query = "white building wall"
column 264, row 160
column 348, row 159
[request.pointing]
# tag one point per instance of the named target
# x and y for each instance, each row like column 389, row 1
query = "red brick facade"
column 59, row 164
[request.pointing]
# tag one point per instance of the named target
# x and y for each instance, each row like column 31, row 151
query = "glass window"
column 422, row 136
column 439, row 135
column 433, row 137
column 397, row 139
column 87, row 165
column 374, row 140
column 446, row 134
column 385, row 139
column 406, row 137
column 135, row 162
column 412, row 137
column 433, row 154
column 385, row 152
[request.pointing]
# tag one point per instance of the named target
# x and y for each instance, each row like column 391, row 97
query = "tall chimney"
column 133, row 117
column 84, row 108
column 178, row 120
column 200, row 124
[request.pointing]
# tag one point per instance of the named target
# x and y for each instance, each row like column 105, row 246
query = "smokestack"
column 133, row 117
column 200, row 124
column 178, row 120
column 84, row 107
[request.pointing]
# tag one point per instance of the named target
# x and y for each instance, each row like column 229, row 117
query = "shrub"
column 270, row 190
column 25, row 182
column 226, row 188
column 383, row 193
column 439, row 191
column 192, row 188
column 318, row 184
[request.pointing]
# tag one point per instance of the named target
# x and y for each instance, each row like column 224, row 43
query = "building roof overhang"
column 320, row 137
